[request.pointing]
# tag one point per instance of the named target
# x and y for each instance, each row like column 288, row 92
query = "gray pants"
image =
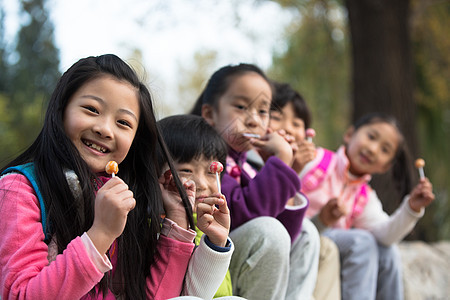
column 266, row 265
column 368, row 269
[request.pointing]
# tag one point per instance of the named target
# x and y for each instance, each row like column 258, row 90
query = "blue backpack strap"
column 28, row 171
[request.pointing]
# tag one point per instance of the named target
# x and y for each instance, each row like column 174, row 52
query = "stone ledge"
column 426, row 270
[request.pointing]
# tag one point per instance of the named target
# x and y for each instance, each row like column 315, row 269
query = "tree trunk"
column 383, row 72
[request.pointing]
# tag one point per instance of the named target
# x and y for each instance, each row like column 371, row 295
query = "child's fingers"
column 259, row 143
column 223, row 206
column 204, row 220
column 213, row 200
column 282, row 132
column 203, row 208
column 294, row 147
column 189, row 186
column 129, row 203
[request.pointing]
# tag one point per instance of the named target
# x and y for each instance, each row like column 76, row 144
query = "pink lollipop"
column 217, row 168
column 310, row 133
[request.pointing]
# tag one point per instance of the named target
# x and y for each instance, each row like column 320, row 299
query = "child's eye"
column 275, row 118
column 264, row 112
column 240, row 107
column 187, row 171
column 386, row 150
column 91, row 109
column 125, row 123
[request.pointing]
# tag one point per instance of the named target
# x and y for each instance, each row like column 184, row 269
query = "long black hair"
column 402, row 173
column 190, row 137
column 52, row 152
column 220, row 81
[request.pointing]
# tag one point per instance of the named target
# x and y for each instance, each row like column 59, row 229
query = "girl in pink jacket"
column 68, row 230
column 347, row 210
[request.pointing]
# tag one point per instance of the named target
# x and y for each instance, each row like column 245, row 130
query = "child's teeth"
column 96, row 147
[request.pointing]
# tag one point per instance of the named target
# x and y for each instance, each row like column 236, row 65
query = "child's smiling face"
column 371, row 148
column 101, row 120
column 198, row 171
column 287, row 120
column 243, row 108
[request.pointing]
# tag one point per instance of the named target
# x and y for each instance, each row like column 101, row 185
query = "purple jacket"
column 265, row 194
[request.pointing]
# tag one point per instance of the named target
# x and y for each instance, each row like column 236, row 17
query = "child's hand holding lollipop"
column 213, row 216
column 113, row 202
column 306, row 151
column 422, row 194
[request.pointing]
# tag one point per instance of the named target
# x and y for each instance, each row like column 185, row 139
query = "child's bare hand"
column 422, row 195
column 306, row 152
column 213, row 221
column 173, row 205
column 273, row 143
column 112, row 204
column 331, row 212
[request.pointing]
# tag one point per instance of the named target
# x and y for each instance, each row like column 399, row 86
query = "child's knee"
column 390, row 257
column 272, row 236
column 363, row 240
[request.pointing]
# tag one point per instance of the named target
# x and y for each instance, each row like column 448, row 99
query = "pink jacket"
column 364, row 207
column 25, row 271
column 327, row 177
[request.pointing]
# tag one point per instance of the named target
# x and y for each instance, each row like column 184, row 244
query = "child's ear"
column 207, row 113
column 348, row 134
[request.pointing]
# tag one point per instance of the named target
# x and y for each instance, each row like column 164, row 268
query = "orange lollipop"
column 420, row 163
column 112, row 168
column 217, row 168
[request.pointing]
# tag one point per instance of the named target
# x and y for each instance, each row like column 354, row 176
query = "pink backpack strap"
column 361, row 200
column 317, row 174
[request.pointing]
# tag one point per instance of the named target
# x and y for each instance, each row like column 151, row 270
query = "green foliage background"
column 29, row 71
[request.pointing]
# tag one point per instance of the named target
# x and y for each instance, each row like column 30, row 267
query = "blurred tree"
column 36, row 69
column 31, row 72
column 193, row 78
column 316, row 63
column 3, row 68
column 382, row 73
column 430, row 22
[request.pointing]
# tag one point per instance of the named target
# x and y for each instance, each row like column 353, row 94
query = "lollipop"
column 310, row 133
column 420, row 163
column 112, row 168
column 217, row 168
